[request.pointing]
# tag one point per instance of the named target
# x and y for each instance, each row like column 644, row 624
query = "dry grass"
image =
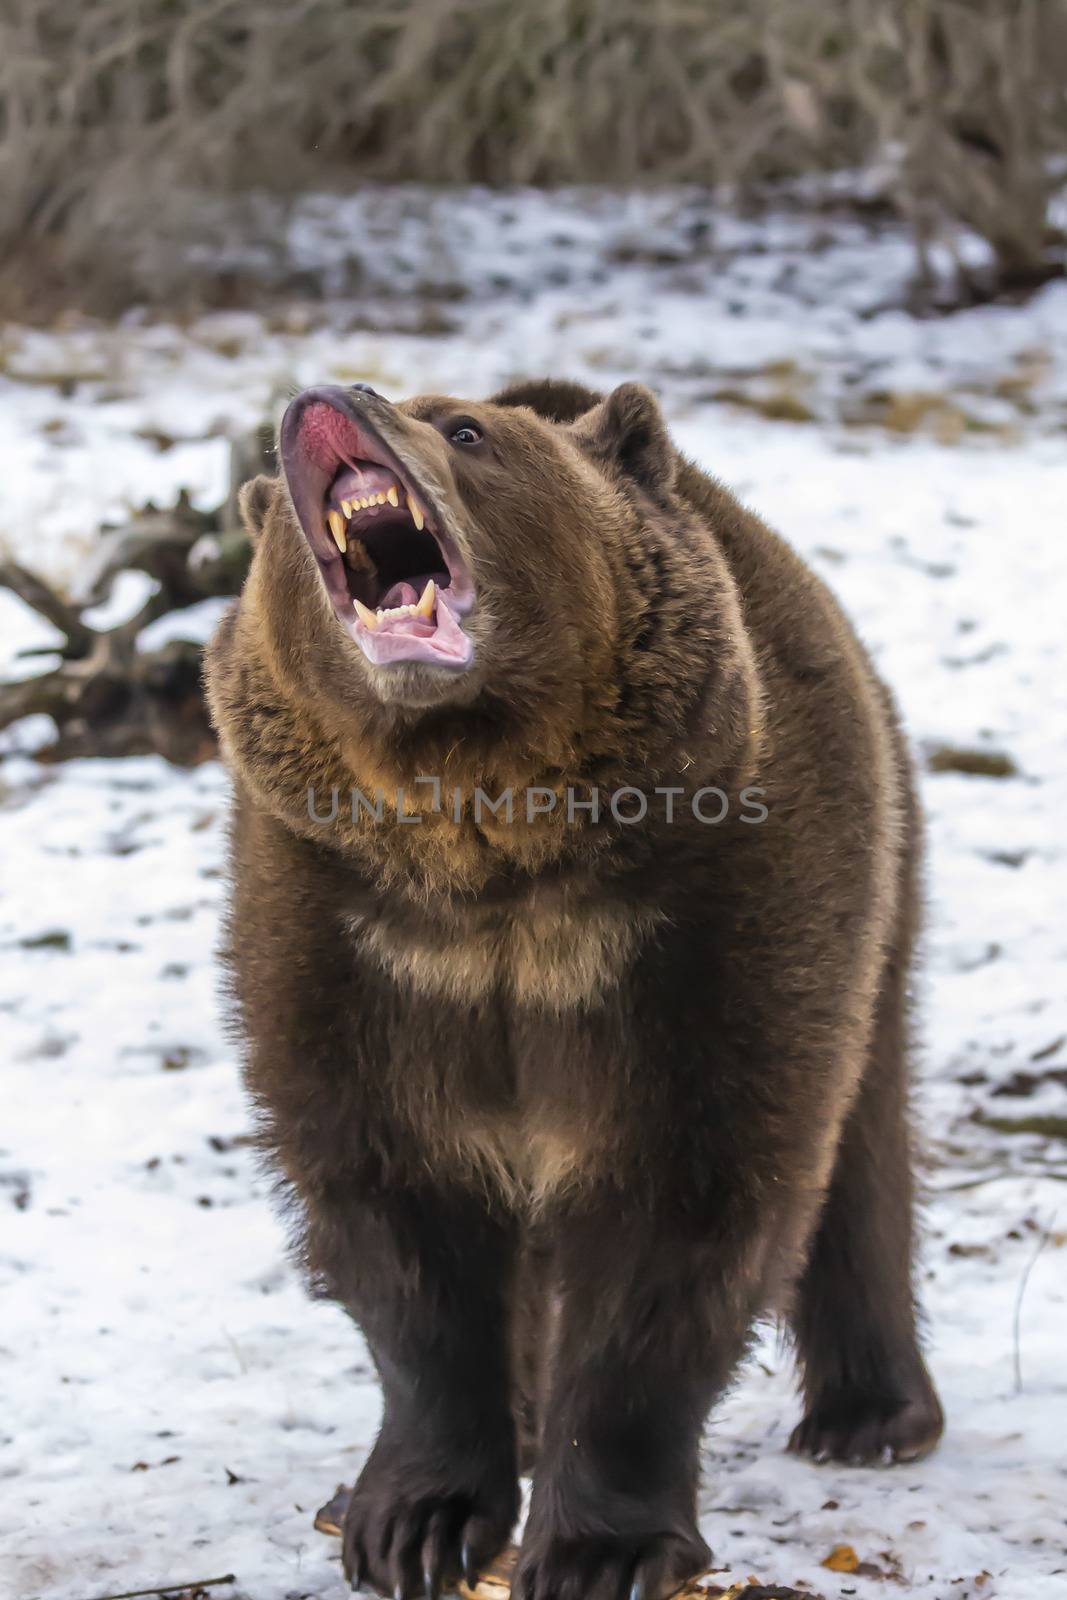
column 117, row 115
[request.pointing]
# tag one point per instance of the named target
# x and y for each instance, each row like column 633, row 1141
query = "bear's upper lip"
column 395, row 577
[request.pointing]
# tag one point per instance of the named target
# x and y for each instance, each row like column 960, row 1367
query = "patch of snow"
column 26, row 639
column 129, row 592
column 196, row 623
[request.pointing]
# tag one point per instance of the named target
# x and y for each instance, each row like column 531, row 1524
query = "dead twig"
column 1017, row 1318
column 171, row 1588
column 998, row 1177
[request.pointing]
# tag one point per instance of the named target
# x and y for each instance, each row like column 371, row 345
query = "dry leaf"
column 842, row 1558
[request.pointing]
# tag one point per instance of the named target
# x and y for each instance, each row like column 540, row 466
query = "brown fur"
column 665, row 1065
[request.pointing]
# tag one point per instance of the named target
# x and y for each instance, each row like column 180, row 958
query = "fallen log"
column 107, row 694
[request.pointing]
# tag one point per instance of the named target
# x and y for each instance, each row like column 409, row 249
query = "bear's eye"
column 466, row 433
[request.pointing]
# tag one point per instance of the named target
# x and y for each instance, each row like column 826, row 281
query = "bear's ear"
column 627, row 429
column 253, row 501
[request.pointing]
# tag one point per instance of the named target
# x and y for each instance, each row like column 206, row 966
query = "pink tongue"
column 401, row 594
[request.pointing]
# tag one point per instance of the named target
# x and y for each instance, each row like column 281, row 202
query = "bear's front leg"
column 653, row 1317
column 426, row 1274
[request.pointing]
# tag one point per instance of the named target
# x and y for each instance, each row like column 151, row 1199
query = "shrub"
column 117, row 116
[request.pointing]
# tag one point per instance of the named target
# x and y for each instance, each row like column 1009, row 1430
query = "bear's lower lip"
column 437, row 641
column 395, row 579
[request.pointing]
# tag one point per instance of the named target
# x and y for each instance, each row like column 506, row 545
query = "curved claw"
column 470, row 1565
column 434, row 1554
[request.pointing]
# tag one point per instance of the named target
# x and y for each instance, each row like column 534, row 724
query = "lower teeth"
column 424, row 609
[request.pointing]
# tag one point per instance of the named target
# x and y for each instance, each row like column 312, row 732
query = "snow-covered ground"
column 174, row 1407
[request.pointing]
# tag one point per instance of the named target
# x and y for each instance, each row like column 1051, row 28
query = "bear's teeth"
column 416, row 515
column 337, row 528
column 371, row 502
column 371, row 619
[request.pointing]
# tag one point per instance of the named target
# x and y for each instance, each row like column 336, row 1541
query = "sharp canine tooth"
column 337, row 528
column 392, row 496
column 416, row 515
column 365, row 614
column 426, row 599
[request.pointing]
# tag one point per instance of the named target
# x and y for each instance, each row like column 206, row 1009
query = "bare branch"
column 43, row 599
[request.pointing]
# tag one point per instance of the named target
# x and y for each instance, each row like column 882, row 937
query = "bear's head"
column 467, row 547
column 505, row 591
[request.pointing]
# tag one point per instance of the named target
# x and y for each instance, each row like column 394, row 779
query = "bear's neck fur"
column 664, row 669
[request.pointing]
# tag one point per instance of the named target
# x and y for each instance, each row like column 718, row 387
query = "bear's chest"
column 546, row 956
column 519, row 1101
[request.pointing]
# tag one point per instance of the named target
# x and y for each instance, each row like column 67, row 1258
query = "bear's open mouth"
column 394, row 576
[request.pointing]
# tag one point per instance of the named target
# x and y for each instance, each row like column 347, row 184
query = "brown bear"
column 574, row 864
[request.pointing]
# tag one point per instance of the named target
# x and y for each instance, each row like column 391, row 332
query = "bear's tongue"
column 403, row 594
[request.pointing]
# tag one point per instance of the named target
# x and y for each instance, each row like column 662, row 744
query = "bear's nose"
column 365, row 388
